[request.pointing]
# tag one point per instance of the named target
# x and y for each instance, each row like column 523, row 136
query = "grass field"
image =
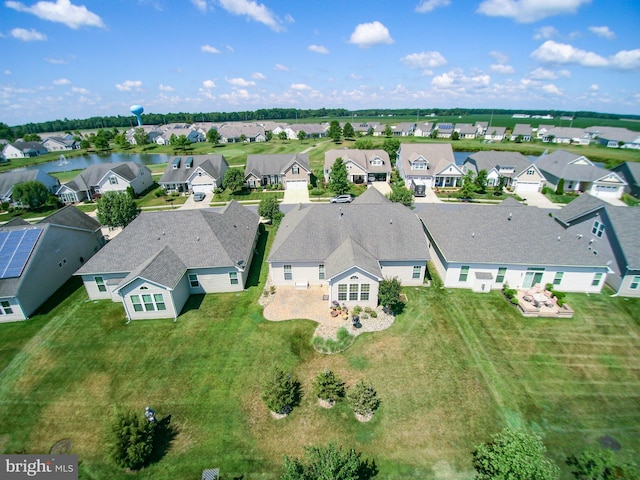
column 454, row 368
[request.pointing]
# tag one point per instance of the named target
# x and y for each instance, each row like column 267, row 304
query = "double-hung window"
column 342, row 292
column 5, row 308
column 502, row 271
column 100, row 284
column 321, row 272
column 233, row 278
column 417, row 270
column 287, row 272
column 557, row 280
column 464, row 273
column 596, row 280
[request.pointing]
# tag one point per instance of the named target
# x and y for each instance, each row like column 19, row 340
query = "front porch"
column 448, row 181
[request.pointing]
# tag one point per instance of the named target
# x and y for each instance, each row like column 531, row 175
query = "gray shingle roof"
column 508, row 233
column 92, row 175
column 164, row 268
column 386, row 231
column 361, row 158
column 274, row 164
column 212, row 164
column 71, row 216
column 488, row 160
column 349, row 254
column 633, row 169
column 371, row 195
column 439, row 155
column 9, row 179
column 559, row 164
column 199, row 238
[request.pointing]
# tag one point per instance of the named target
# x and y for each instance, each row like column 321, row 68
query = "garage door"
column 607, row 191
column 296, row 184
column 522, row 187
column 203, row 187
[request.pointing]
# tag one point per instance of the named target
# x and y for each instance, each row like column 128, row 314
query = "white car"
column 342, row 199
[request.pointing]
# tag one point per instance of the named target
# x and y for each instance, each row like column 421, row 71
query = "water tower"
column 137, row 111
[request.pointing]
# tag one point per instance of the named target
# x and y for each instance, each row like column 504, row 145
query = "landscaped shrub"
column 328, row 387
column 329, row 345
column 373, row 314
column 363, row 400
column 132, row 438
column 356, row 310
column 280, row 391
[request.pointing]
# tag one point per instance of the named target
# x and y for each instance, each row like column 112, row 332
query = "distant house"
column 576, row 136
column 482, row 248
column 614, row 137
column 466, row 130
column 519, row 173
column 10, row 179
column 235, row 133
column 289, row 170
column 630, row 173
column 60, row 144
column 197, row 173
column 363, row 166
column 522, row 131
column 312, row 130
column 338, row 248
column 23, row 150
column 610, row 234
column 481, row 128
column 423, row 129
column 161, row 258
column 495, row 134
column 363, row 127
column 105, row 177
column 445, row 130
column 579, row 174
column 430, row 163
column 40, row 258
column 192, row 135
column 403, row 129
column 543, row 130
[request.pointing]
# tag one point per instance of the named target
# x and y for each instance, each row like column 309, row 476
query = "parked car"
column 342, row 199
column 199, row 196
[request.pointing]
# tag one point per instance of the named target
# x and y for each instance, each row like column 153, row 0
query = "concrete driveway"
column 383, row 187
column 190, row 204
column 537, row 199
column 296, row 195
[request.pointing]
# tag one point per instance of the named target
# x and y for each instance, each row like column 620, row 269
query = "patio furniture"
column 528, row 298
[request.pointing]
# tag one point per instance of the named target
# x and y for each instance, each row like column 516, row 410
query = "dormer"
column 506, row 169
column 376, row 161
column 188, row 163
column 419, row 163
column 176, row 163
column 581, row 161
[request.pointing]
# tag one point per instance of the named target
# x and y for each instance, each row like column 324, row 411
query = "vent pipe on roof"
column 473, row 235
column 558, row 237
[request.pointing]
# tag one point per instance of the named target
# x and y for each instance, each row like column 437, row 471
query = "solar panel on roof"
column 16, row 247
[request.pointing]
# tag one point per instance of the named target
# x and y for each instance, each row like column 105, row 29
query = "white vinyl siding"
column 502, row 271
column 148, row 302
column 288, row 275
column 233, row 278
column 635, row 282
column 5, row 308
column 100, row 284
column 557, row 280
column 596, row 279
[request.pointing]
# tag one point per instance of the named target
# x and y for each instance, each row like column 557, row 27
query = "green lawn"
column 556, row 198
column 454, row 368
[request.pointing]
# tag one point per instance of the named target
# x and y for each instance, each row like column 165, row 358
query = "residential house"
column 235, row 133
column 614, row 137
column 518, row 172
column 364, row 127
column 161, row 258
column 105, row 177
column 466, row 130
column 521, row 131
column 481, row 128
column 59, row 144
column 543, row 130
column 11, row 178
column 630, row 173
column 495, row 134
column 151, row 130
column 196, row 173
column 423, row 129
column 404, row 129
column 445, row 130
column 574, row 136
column 348, row 249
column 482, row 248
column 312, row 130
column 38, row 259
column 363, row 166
column 192, row 135
column 431, row 163
column 23, row 150
column 610, row 234
column 288, row 170
column 579, row 174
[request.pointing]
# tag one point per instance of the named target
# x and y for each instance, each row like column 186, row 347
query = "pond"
column 64, row 164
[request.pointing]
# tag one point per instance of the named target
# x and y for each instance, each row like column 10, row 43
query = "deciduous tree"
column 391, row 146
column 401, row 195
column 481, row 181
column 328, row 463
column 338, row 177
column 32, row 193
column 388, row 132
column 140, row 136
column 233, row 179
column 334, row 132
column 348, row 131
column 302, row 135
column 389, row 292
column 116, row 209
column 270, row 208
column 213, row 136
column 364, row 144
column 282, row 135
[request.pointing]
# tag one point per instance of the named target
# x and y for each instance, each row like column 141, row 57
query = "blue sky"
column 83, row 58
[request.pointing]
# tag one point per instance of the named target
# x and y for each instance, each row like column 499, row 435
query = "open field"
column 454, row 368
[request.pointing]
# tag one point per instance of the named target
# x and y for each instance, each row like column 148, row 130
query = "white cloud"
column 281, row 68
column 529, row 11
column 626, row 59
column 424, row 60
column 499, row 57
column 209, row 49
column 300, row 86
column 563, row 53
column 230, row 48
column 552, row 89
column 28, row 35
column 544, row 33
column 318, row 49
column 240, row 82
column 542, row 74
column 353, row 76
column 60, row 11
column 258, row 76
column 55, row 61
column 80, row 90
column 7, row 72
column 603, row 32
column 426, row 6
column 368, row 34
column 129, row 85
column 209, row 84
column 62, row 81
column 200, row 5
column 254, row 10
column 165, row 88
column 456, row 79
column 594, row 87
column 502, row 69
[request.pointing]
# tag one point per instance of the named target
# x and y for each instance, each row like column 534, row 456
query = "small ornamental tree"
column 270, row 208
column 132, row 438
column 498, row 189
column 213, row 136
column 328, row 463
column 560, row 187
column 401, row 195
column 32, row 193
column 233, row 179
column 302, row 135
column 391, row 146
column 140, row 136
column 280, row 391
column 282, row 135
column 334, row 132
column 338, row 178
column 389, row 293
column 468, row 185
column 363, row 400
column 328, row 388
column 116, row 209
column 348, row 131
column 363, row 144
column 514, row 455
column 481, row 181
column 388, row 132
